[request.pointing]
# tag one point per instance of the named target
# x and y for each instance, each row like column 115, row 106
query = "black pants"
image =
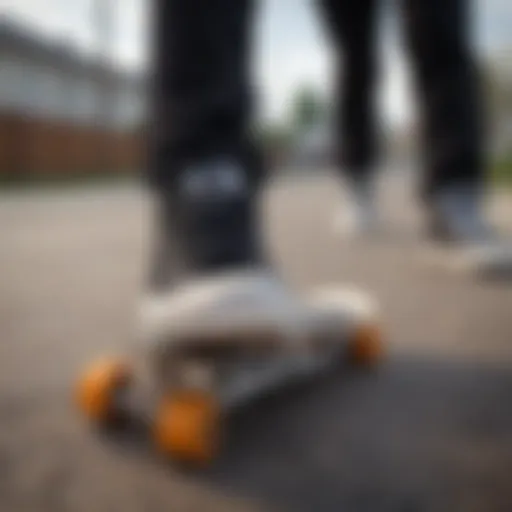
column 202, row 90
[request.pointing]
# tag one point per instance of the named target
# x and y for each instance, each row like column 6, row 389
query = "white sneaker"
column 457, row 217
column 253, row 308
column 463, row 239
column 358, row 215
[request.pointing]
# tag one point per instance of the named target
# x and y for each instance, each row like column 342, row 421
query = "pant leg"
column 353, row 31
column 200, row 95
column 200, row 120
column 438, row 37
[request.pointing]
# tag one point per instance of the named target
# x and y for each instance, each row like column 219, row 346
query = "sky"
column 290, row 49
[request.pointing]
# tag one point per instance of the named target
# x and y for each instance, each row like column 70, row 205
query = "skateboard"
column 210, row 349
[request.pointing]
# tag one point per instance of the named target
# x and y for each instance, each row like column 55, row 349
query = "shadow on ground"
column 417, row 434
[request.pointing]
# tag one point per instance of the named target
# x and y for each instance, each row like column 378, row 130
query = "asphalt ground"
column 430, row 430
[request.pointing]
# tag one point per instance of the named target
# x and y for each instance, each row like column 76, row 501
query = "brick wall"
column 30, row 146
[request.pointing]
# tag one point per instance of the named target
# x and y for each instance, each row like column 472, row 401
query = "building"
column 63, row 112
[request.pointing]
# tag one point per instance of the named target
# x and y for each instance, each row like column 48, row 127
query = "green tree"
column 498, row 87
column 308, row 108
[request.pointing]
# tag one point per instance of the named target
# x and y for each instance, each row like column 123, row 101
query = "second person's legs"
column 352, row 27
column 353, row 31
column 438, row 36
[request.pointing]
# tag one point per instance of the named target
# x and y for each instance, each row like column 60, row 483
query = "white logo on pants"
column 214, row 181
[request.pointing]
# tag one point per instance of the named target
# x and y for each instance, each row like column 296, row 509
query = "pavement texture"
column 430, row 430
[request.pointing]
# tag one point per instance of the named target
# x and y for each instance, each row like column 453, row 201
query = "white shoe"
column 224, row 305
column 463, row 241
column 245, row 302
column 456, row 216
column 358, row 215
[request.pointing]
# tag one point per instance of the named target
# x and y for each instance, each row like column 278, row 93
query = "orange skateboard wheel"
column 187, row 426
column 98, row 387
column 366, row 347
